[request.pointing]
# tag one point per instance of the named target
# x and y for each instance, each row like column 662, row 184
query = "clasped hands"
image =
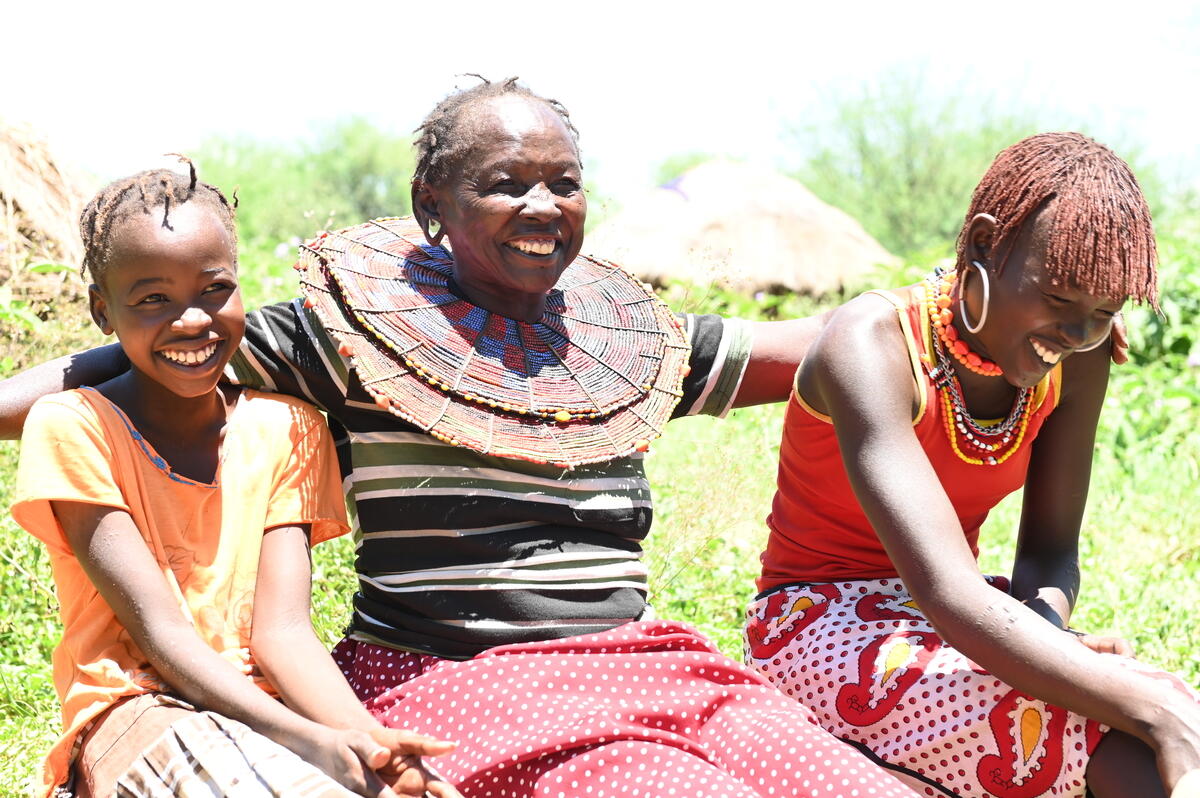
column 381, row 763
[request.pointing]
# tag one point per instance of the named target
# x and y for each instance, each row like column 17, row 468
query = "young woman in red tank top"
column 874, row 612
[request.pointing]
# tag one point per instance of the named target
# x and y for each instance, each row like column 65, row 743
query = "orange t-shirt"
column 277, row 467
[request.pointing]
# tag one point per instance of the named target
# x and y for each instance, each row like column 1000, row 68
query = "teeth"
column 1045, row 354
column 190, row 358
column 540, row 246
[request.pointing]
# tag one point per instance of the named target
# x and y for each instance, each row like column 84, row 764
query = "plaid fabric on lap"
column 210, row 755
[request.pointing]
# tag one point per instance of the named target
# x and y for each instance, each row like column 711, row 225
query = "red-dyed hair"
column 1101, row 237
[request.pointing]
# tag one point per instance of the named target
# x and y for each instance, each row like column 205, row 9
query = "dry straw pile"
column 747, row 228
column 40, row 202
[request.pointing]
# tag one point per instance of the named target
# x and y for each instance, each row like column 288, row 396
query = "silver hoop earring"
column 987, row 298
column 1107, row 337
column 433, row 232
column 1095, row 345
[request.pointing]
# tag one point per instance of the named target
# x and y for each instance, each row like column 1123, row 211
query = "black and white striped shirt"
column 459, row 551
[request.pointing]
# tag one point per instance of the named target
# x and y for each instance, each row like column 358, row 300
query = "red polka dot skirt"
column 862, row 657
column 648, row 709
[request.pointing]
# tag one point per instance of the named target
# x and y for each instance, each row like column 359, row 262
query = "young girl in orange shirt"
column 178, row 514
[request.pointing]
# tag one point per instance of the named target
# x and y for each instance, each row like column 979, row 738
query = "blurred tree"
column 366, row 168
column 676, row 165
column 350, row 172
column 904, row 160
column 903, row 156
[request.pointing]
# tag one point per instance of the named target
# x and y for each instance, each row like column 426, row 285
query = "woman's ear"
column 981, row 236
column 99, row 309
column 425, row 211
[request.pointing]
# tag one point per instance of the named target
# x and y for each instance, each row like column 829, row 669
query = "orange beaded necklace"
column 938, row 303
column 972, row 442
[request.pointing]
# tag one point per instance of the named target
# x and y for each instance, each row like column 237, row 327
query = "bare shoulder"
column 861, row 349
column 864, row 329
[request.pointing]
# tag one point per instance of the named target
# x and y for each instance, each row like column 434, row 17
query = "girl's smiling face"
column 171, row 296
column 1034, row 321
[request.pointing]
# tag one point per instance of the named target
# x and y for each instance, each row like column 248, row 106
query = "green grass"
column 713, row 482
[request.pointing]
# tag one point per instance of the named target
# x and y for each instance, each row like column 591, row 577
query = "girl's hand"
column 1176, row 744
column 404, row 771
column 1103, row 644
column 348, row 756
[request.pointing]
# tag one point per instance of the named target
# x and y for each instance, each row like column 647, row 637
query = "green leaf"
column 48, row 267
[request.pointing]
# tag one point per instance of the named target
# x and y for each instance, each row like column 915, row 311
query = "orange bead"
column 960, row 347
column 687, row 370
column 382, row 401
column 308, row 302
column 642, row 445
column 943, row 301
column 974, row 360
column 562, row 416
column 951, row 332
column 344, row 349
column 945, row 317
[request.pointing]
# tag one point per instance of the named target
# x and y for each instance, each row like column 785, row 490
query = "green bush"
column 902, row 163
column 903, row 157
column 350, row 172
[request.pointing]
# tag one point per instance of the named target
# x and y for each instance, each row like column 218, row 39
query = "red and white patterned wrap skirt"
column 875, row 673
column 647, row 709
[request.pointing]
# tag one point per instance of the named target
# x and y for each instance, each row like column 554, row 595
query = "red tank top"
column 818, row 531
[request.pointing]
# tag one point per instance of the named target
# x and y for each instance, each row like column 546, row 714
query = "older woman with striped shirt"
column 491, row 401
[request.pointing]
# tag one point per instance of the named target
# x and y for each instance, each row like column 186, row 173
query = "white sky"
column 115, row 84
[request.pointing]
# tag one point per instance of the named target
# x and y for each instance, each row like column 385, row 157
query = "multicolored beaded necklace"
column 938, row 301
column 972, row 442
column 596, row 378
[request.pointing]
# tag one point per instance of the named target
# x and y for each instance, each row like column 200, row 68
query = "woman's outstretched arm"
column 781, row 346
column 778, row 350
column 20, row 391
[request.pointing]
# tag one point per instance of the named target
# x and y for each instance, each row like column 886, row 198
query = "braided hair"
column 1101, row 238
column 141, row 193
column 444, row 137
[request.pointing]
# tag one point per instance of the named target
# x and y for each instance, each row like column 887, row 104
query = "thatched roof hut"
column 745, row 227
column 40, row 202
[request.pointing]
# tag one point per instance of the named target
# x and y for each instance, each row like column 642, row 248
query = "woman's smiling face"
column 513, row 207
column 171, row 296
column 1033, row 320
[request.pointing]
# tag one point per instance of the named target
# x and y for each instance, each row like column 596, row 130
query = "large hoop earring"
column 987, row 298
column 433, row 232
column 1095, row 345
column 1107, row 337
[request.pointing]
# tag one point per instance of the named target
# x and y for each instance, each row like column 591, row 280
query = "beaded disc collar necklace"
column 974, row 443
column 594, row 379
